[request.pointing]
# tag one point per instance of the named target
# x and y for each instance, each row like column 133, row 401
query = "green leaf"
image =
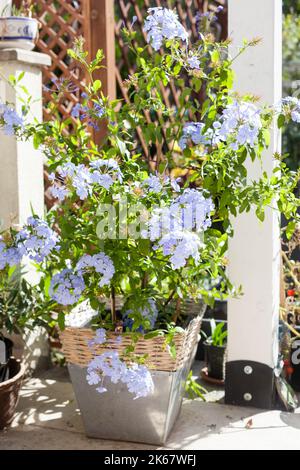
column 281, row 121
column 290, row 229
column 61, row 320
column 97, row 85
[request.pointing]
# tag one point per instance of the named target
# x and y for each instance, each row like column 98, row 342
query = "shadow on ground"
column 48, row 418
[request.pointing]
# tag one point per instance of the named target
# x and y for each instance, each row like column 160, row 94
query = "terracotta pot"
column 9, row 392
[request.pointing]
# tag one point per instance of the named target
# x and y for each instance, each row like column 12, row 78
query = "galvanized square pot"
column 115, row 415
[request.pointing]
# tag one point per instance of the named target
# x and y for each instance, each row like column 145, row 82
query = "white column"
column 21, row 167
column 21, row 176
column 254, row 252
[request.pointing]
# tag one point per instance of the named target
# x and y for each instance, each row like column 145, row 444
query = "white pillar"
column 254, row 252
column 21, row 167
column 21, row 175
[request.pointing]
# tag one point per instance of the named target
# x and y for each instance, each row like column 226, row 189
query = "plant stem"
column 169, row 298
column 113, row 306
column 145, row 280
column 291, row 270
column 177, row 311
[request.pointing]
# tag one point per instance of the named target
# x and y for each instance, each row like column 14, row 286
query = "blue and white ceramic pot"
column 18, row 32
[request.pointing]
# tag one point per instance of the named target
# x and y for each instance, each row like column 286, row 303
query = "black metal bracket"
column 249, row 383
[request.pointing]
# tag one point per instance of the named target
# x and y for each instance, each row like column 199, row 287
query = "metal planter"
column 115, row 415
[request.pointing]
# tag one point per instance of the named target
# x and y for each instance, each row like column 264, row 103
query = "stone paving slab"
column 48, row 418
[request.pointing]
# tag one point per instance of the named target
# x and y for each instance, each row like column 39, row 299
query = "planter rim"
column 76, row 350
column 214, row 346
column 18, row 18
column 17, row 377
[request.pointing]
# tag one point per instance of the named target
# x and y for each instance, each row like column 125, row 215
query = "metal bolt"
column 248, row 370
column 247, row 397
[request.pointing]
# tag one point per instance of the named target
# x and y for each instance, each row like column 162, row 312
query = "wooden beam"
column 102, row 36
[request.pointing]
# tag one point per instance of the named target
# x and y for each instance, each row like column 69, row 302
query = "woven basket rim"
column 76, row 351
column 16, row 377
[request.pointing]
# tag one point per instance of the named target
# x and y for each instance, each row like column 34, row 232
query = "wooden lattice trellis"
column 61, row 22
column 187, row 11
column 64, row 20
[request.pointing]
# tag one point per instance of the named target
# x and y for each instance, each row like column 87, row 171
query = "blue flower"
column 194, row 132
column 10, row 119
column 193, row 62
column 108, row 365
column 82, row 178
column 152, row 184
column 291, row 105
column 99, row 338
column 103, row 180
column 148, row 310
column 239, row 125
column 102, row 265
column 195, row 209
column 139, row 381
column 162, row 23
column 37, row 240
column 109, row 165
column 91, row 113
column 176, row 229
column 181, row 246
column 75, row 113
column 9, row 256
column 59, row 192
column 66, row 287
column 93, row 378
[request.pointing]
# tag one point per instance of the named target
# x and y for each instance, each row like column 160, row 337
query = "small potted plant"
column 17, row 27
column 22, row 308
column 15, row 309
column 215, row 348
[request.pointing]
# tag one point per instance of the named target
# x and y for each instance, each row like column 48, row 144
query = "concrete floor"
column 48, row 418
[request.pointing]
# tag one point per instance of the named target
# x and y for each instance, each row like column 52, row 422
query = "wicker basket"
column 76, row 350
column 9, row 392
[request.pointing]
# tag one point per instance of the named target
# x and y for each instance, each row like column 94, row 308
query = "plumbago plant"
column 126, row 227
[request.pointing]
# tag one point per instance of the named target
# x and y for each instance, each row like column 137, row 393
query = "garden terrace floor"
column 48, row 418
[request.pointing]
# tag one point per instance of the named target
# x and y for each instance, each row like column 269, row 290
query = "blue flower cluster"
column 162, row 23
column 9, row 256
column 291, row 104
column 92, row 114
column 176, row 229
column 180, row 245
column 152, row 184
column 82, row 178
column 66, row 287
column 194, row 132
column 193, row 62
column 195, row 209
column 136, row 377
column 102, row 265
column 148, row 311
column 99, row 338
column 37, row 240
column 9, row 119
column 240, row 123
